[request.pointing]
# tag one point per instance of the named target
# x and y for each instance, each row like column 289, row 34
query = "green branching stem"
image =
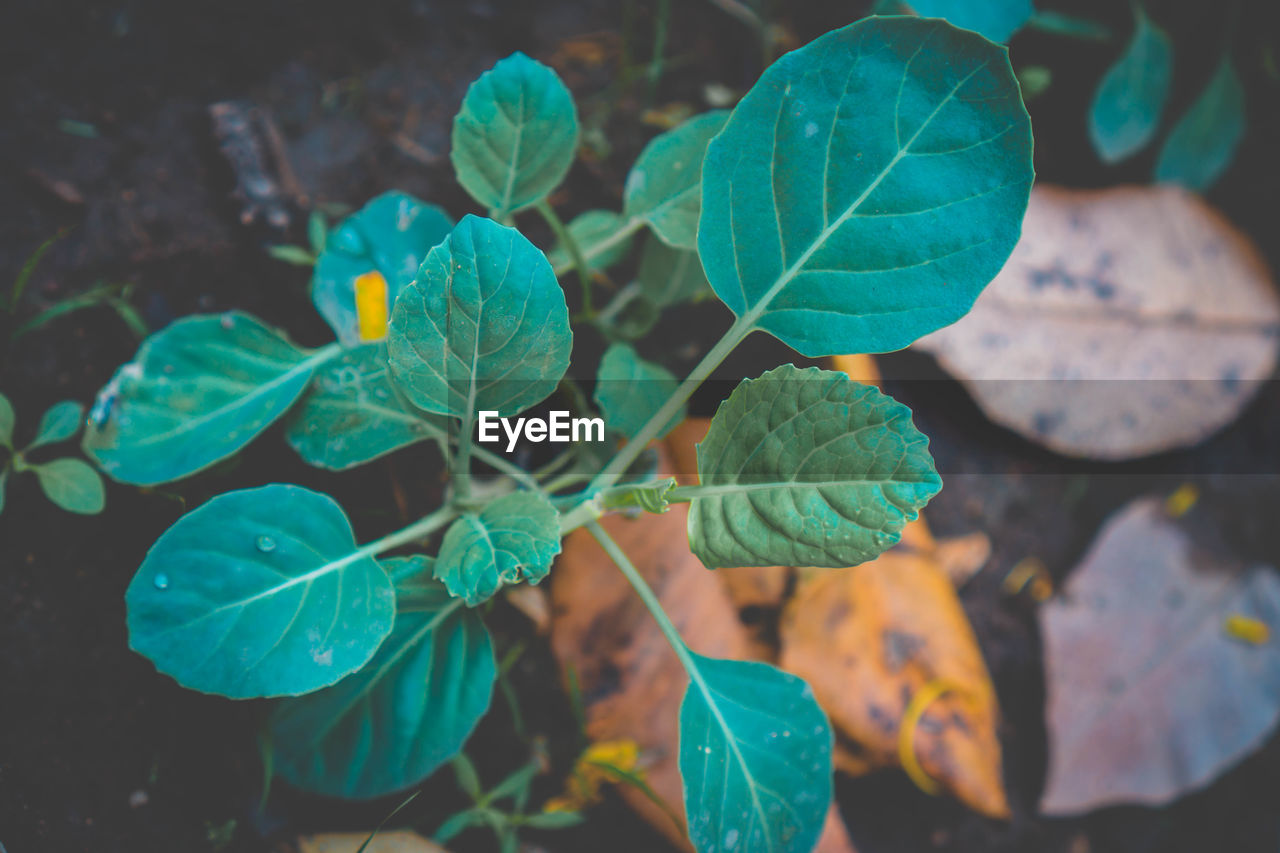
column 718, row 353
column 594, row 250
column 650, row 599
column 420, row 529
column 570, row 244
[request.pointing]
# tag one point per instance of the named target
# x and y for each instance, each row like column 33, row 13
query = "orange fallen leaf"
column 869, row 640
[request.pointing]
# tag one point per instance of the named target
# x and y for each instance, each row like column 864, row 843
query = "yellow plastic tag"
column 1246, row 629
column 371, row 306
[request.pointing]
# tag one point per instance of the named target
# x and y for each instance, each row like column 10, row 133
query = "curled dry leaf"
column 869, row 639
column 1152, row 687
column 631, row 681
column 1127, row 322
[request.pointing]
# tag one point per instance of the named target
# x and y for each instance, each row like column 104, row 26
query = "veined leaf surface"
column 755, row 754
column 516, row 135
column 353, row 413
column 390, row 236
column 1127, row 106
column 868, row 186
column 484, row 326
column 411, row 708
column 61, row 422
column 259, row 592
column 514, row 538
column 72, row 484
column 664, row 187
column 807, row 468
column 194, row 394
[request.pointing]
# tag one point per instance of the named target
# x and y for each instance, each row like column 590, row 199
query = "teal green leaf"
column 353, row 413
column 670, row 276
column 390, row 235
column 61, row 422
column 629, row 390
column 516, row 135
column 1204, row 140
column 395, row 721
column 193, row 395
column 1126, row 108
column 73, row 485
column 807, row 468
column 484, row 326
column 664, row 187
column 868, row 187
column 512, row 539
column 755, row 756
column 595, row 228
column 259, row 592
column 7, row 421
column 998, row 20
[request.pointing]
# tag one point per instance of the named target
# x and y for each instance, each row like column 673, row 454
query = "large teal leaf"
column 629, row 390
column 516, row 135
column 193, row 395
column 390, row 235
column 353, row 413
column 73, row 485
column 868, row 186
column 1204, row 140
column 755, row 755
column 664, row 187
column 484, row 326
column 61, row 422
column 1126, row 108
column 807, row 468
column 411, row 708
column 259, row 592
column 998, row 20
column 514, row 538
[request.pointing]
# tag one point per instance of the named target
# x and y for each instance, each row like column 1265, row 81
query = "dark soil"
column 99, row 753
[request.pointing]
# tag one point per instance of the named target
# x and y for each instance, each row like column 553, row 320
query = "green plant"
column 70, row 483
column 861, row 194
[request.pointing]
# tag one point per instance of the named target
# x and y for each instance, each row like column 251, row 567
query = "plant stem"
column 647, row 595
column 598, row 248
column 620, row 300
column 584, row 513
column 633, row 448
column 501, row 463
column 420, row 529
column 462, row 461
column 575, row 252
column 659, row 48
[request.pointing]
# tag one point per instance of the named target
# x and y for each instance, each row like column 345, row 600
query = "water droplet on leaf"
column 266, row 544
column 161, row 580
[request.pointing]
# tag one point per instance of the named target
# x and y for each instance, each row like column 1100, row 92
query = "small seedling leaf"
column 516, row 135
column 998, row 20
column 60, row 423
column 512, row 539
column 1204, row 140
column 73, row 485
column 1126, row 108
column 483, row 327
